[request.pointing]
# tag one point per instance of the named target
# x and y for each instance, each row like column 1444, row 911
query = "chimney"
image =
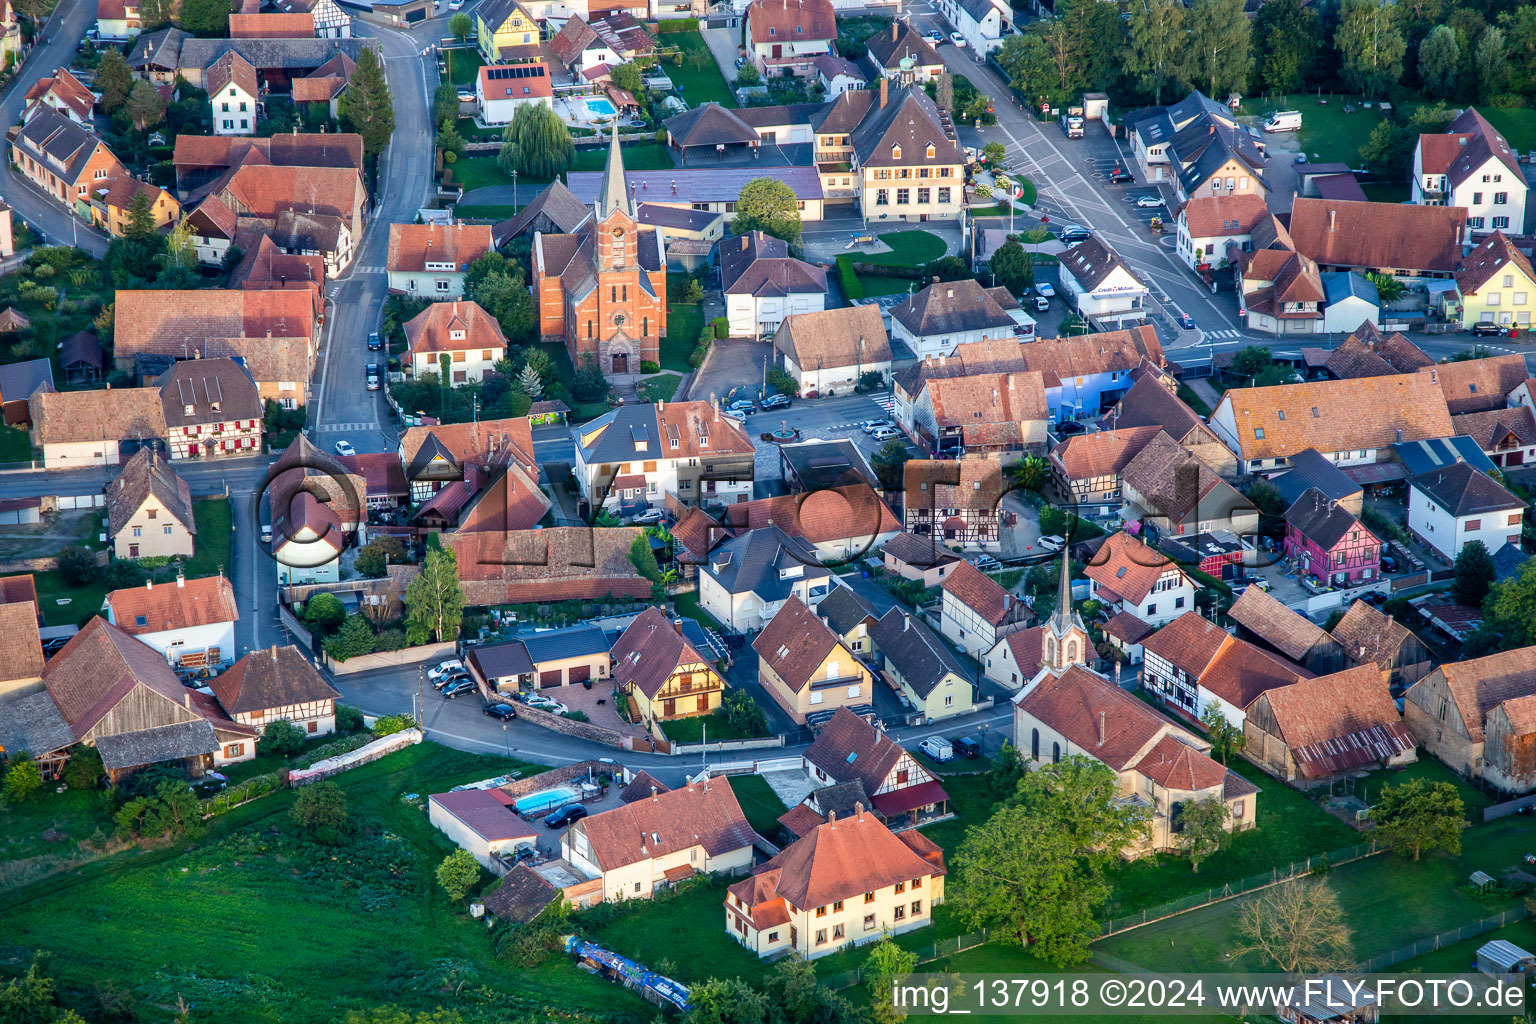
column 653, row 792
column 832, row 818
column 1332, row 216
column 149, row 584
column 906, row 623
column 678, row 625
column 858, row 809
column 884, row 92
column 181, row 580
column 1101, row 728
column 893, row 31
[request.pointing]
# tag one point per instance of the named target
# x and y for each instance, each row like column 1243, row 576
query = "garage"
column 548, row 679
column 580, row 673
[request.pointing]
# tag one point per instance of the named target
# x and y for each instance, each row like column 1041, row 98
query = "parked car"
column 1047, row 289
column 650, row 515
column 501, row 711
column 968, row 747
column 958, row 40
column 465, row 96
column 458, row 688
column 1186, row 321
column 1483, row 329
column 743, row 405
column 1388, row 563
column 884, row 433
column 454, row 5
column 375, row 342
column 566, row 815
column 776, row 402
column 1070, row 427
column 345, row 448
column 373, row 376
column 735, row 414
column 456, row 676
column 938, row 748
column 1053, row 542
column 544, row 703
column 1041, row 303
column 1149, row 202
column 1074, row 235
column 1119, row 177
column 444, row 668
column 741, row 62
column 870, row 426
column 933, row 35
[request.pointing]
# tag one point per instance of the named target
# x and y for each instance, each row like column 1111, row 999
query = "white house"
column 1471, row 165
column 838, row 75
column 1456, row 504
column 462, row 333
column 232, row 95
column 946, row 314
column 482, row 821
column 1128, row 576
column 746, row 580
column 1209, row 224
column 429, row 261
column 190, row 622
column 1106, row 292
column 501, row 88
column 982, row 23
column 1351, row 301
column 830, row 350
column 307, row 541
column 788, row 35
column 976, row 611
column 632, row 457
column 763, row 284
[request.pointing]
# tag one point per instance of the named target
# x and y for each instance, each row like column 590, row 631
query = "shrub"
column 390, row 724
column 348, row 718
column 577, row 716
column 450, row 157
column 390, row 640
column 529, row 945
column 22, row 779
column 84, row 770
column 646, row 366
column 78, row 565
column 324, row 612
column 721, row 327
column 353, row 639
column 282, row 737
column 458, row 874
column 782, row 382
column 124, row 574
column 321, row 809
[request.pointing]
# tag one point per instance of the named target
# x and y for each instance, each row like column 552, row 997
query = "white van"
column 938, row 748
column 1284, row 121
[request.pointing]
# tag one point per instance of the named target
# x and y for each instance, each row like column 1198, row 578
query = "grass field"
column 759, row 802
column 84, row 601
column 1517, row 126
column 237, row 922
column 488, row 211
column 464, row 65
column 688, row 604
column 211, row 551
column 908, row 249
column 684, row 324
column 704, row 85
column 659, row 389
column 1328, row 135
column 15, row 445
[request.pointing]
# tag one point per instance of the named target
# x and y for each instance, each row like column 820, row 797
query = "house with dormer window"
column 212, row 408
column 632, row 457
column 1472, row 166
column 747, row 579
column 804, row 665
column 906, row 158
column 1128, row 576
column 788, row 35
column 429, row 261
column 662, row 674
column 462, row 333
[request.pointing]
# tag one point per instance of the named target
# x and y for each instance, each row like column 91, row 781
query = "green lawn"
column 683, row 935
column 1328, row 135
column 463, row 66
column 659, row 389
column 84, row 601
column 472, row 132
column 685, row 323
column 480, row 172
column 882, row 285
column 211, row 553
column 15, row 445
column 1517, row 126
column 1385, row 191
column 243, row 906
column 700, row 86
column 1430, row 770
column 908, row 249
column 688, row 604
column 484, row 172
column 490, row 212
column 759, row 803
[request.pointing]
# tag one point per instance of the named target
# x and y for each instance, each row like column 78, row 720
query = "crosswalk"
column 368, row 270
column 341, row 428
column 1219, row 335
column 887, row 403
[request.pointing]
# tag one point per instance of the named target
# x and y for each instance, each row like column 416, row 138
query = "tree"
column 84, row 770
column 355, row 638
column 589, row 384
column 1251, row 361
column 1226, row 738
column 445, row 103
column 768, row 205
column 180, row 254
column 627, row 76
column 536, row 143
column 458, row 874
column 1026, row 59
column 1220, row 37
column 1509, row 611
column 743, row 714
column 889, row 463
column 113, row 80
column 1492, row 63
column 1030, row 473
column 506, row 297
column 1439, row 61
column 1474, row 575
column 726, row 1001
column 321, row 810
column 78, row 565
column 282, row 737
column 1418, row 816
column 374, row 557
column 205, row 17
column 1093, row 38
column 1388, row 288
column 1285, row 42
column 448, row 138
column 1199, row 829
column 1519, row 28
column 170, row 809
column 461, row 26
column 1155, row 51
column 530, row 381
column 1013, row 266
column 1078, row 794
column 1371, row 45
column 995, row 153
column 22, row 779
column 146, row 107
column 434, row 602
column 1298, row 925
column 141, row 217
column 367, row 104
column 886, row 961
column 324, row 612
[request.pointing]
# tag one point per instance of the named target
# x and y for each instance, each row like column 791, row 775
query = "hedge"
column 853, row 288
column 673, row 26
column 722, row 327
column 234, row 796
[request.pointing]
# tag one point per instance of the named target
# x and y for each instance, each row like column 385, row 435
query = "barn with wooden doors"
column 1313, row 731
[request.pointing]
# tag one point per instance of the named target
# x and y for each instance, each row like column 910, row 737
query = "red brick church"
column 603, row 288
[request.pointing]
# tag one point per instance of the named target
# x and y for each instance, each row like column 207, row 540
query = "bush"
column 853, row 288
column 282, row 737
column 783, row 383
column 355, row 638
column 124, row 574
column 321, row 809
column 388, row 725
column 450, row 157
column 390, row 640
column 78, row 565
column 348, row 718
column 720, row 327
column 529, row 945
column 646, row 366
column 458, row 874
column 324, row 612
column 84, row 770
column 22, row 779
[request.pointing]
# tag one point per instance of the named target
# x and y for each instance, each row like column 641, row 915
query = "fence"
column 724, row 745
column 937, row 951
column 1446, row 938
column 1252, row 883
column 777, row 764
column 388, row 659
column 1509, row 807
column 340, row 763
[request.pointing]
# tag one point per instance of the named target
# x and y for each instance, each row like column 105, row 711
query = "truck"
column 1072, row 124
column 1283, row 121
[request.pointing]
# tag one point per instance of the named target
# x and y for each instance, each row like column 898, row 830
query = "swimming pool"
column 545, row 800
column 601, row 108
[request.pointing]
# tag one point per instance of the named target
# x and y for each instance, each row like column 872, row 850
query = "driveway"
column 733, row 361
column 723, row 43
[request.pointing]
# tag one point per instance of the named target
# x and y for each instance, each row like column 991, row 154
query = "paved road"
column 46, row 215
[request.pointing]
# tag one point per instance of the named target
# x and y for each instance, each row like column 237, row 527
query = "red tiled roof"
column 795, row 643
column 431, row 330
column 1471, row 385
column 1378, row 235
column 979, row 592
column 1095, row 715
column 413, row 246
column 1339, row 721
column 854, row 511
column 180, row 605
column 1102, row 453
column 703, row 814
column 1128, row 566
column 790, row 21
column 1223, row 216
column 271, row 26
column 1179, row 766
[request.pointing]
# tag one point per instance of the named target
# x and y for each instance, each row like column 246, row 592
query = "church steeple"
column 1066, row 638
column 612, row 194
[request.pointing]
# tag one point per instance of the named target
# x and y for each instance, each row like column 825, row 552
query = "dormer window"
column 703, row 441
column 214, row 406
column 186, row 410
column 895, row 152
column 931, row 152
column 456, row 335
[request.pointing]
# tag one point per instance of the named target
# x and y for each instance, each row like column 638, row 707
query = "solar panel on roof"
column 515, row 71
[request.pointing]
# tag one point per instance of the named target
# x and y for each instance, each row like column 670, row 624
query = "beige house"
column 275, row 683
column 851, row 618
column 847, row 882
column 921, row 667
column 1452, row 713
column 976, row 612
column 918, row 558
column 149, row 510
column 804, row 666
column 656, row 842
column 1160, row 766
column 663, row 675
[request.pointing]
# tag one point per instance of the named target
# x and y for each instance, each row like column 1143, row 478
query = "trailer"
column 657, row 988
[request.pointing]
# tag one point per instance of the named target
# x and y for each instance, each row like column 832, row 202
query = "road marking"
column 338, row 428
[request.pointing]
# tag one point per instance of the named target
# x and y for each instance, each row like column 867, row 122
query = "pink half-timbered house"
column 1327, row 541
